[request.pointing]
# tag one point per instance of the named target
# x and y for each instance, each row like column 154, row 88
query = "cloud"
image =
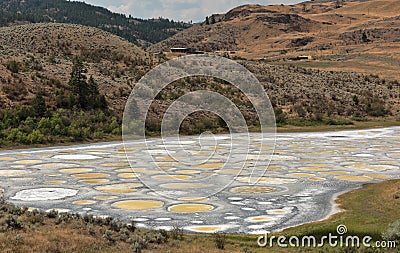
column 184, row 10
column 196, row 10
column 123, row 8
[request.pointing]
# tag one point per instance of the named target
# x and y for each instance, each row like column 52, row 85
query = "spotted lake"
column 306, row 172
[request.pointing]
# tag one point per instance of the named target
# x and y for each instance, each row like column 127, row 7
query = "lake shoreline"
column 286, row 129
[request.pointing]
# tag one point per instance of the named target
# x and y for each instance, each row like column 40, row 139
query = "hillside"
column 136, row 30
column 67, row 82
column 301, row 97
column 64, row 82
column 360, row 36
column 44, row 53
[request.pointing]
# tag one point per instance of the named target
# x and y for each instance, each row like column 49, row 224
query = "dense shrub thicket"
column 25, row 126
column 81, row 113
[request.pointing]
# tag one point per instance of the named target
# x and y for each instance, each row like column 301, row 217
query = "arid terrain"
column 359, row 36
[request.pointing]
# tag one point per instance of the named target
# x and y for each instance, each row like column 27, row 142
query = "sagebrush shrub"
column 393, row 232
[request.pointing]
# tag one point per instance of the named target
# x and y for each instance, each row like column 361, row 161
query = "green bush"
column 13, row 222
column 35, row 137
column 280, row 116
column 176, row 233
column 339, row 122
column 22, row 126
column 109, row 236
column 13, row 66
column 393, row 232
column 219, row 240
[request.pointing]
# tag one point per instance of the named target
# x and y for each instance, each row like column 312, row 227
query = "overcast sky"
column 182, row 10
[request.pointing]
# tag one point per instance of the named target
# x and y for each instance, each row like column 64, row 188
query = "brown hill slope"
column 359, row 36
column 38, row 58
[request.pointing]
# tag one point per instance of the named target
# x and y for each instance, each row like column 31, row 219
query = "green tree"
column 280, row 116
column 85, row 94
column 78, row 84
column 93, row 94
column 212, row 20
column 101, row 102
column 365, row 37
column 39, row 105
column 356, row 100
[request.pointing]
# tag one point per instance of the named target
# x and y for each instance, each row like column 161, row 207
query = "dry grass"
column 37, row 231
column 45, row 236
column 50, row 238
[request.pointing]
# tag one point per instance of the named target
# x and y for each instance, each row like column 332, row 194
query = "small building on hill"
column 180, row 50
column 302, row 57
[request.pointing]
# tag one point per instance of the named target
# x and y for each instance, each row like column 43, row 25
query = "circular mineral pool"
column 354, row 178
column 261, row 218
column 7, row 158
column 301, row 175
column 190, row 208
column 76, row 170
column 28, row 162
column 377, row 176
column 209, row 228
column 105, row 197
column 335, row 173
column 45, row 166
column 115, row 165
column 193, row 199
column 53, row 175
column 94, row 181
column 91, row 175
column 119, row 188
column 41, row 194
column 210, row 166
column 188, row 171
column 312, row 169
column 138, row 170
column 317, row 179
column 172, row 177
column 253, row 189
column 12, row 173
column 55, row 182
column 138, row 205
column 76, row 157
column 184, row 185
column 266, row 180
column 84, row 202
column 127, row 175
